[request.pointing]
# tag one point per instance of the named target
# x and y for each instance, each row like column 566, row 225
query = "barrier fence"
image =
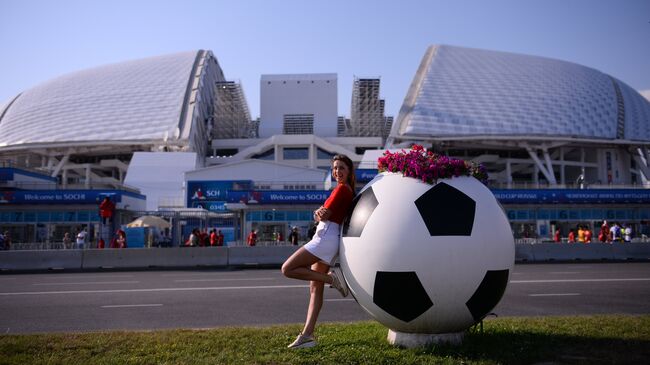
column 187, row 257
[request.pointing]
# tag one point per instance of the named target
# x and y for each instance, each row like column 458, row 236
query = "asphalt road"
column 145, row 300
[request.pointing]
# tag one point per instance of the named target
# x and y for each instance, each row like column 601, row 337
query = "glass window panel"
column 543, row 214
column 306, row 215
column 56, row 217
column 83, row 216
column 585, row 213
column 30, row 217
column 620, row 214
column 292, row 216
column 69, row 216
column 323, row 155
column 574, row 214
column 267, row 215
column 522, row 214
column 5, row 217
column 295, row 153
column 94, row 216
column 43, row 216
column 17, row 217
column 279, row 216
column 644, row 213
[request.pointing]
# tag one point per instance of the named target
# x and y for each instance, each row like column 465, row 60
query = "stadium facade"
column 564, row 144
column 542, row 127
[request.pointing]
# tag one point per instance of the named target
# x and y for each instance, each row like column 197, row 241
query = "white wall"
column 298, row 94
column 160, row 175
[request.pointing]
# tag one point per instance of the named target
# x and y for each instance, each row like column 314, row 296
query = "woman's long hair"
column 352, row 179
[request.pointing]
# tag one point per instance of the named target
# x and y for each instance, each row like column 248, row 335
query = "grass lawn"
column 564, row 340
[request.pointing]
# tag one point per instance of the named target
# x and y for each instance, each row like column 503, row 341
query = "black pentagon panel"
column 400, row 294
column 488, row 293
column 447, row 211
column 362, row 207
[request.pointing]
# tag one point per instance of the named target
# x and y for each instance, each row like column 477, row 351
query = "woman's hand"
column 322, row 214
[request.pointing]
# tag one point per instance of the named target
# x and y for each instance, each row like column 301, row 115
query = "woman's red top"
column 339, row 203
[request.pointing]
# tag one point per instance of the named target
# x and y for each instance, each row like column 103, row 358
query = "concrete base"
column 410, row 340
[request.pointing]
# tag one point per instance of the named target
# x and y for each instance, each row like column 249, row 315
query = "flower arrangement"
column 419, row 163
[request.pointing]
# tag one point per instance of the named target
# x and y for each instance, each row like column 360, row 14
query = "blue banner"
column 217, row 190
column 58, row 196
column 6, row 174
column 365, row 175
column 572, row 196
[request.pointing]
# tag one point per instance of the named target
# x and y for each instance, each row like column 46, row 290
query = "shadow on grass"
column 525, row 347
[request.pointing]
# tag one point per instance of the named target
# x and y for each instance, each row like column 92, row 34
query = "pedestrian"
column 627, row 234
column 280, row 238
column 616, row 232
column 106, row 210
column 220, row 238
column 193, row 240
column 581, row 234
column 587, row 235
column 603, row 234
column 572, row 236
column 252, row 238
column 81, row 239
column 293, row 236
column 312, row 261
column 556, row 237
column 213, row 237
column 121, row 239
column 2, row 241
column 67, row 241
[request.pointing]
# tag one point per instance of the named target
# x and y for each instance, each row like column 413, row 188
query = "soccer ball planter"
column 427, row 258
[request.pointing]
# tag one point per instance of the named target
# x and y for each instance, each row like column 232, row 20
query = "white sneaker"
column 339, row 283
column 302, row 342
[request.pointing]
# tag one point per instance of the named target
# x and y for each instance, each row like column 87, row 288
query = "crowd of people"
column 607, row 234
column 201, row 238
column 276, row 237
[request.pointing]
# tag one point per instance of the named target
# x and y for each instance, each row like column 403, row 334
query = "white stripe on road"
column 55, row 277
column 564, row 272
column 131, row 305
column 90, row 282
column 340, row 300
column 234, row 279
column 576, row 280
column 154, row 290
column 554, row 295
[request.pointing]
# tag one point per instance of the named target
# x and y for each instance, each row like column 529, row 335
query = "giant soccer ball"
column 424, row 258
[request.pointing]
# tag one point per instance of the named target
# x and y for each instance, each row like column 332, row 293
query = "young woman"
column 313, row 260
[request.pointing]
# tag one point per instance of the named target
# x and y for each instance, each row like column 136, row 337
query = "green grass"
column 565, row 340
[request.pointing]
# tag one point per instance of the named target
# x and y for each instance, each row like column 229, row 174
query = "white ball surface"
column 395, row 245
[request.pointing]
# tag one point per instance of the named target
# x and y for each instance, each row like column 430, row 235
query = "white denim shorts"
column 325, row 243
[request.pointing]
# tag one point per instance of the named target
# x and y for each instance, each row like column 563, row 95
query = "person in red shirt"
column 557, row 237
column 252, row 238
column 213, row 238
column 587, row 235
column 106, row 210
column 312, row 261
column 572, row 236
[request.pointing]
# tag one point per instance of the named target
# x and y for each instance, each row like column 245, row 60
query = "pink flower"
column 427, row 166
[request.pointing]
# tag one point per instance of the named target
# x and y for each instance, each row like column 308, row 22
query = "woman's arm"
column 322, row 214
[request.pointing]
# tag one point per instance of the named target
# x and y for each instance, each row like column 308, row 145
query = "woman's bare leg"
column 315, row 298
column 300, row 266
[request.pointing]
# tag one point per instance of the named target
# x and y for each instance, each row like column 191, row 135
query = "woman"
column 313, row 260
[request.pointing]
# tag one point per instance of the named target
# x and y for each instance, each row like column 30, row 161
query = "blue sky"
column 41, row 40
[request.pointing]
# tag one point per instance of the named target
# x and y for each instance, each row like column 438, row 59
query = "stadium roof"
column 462, row 92
column 134, row 101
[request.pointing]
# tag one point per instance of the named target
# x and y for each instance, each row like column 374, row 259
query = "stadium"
column 564, row 144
